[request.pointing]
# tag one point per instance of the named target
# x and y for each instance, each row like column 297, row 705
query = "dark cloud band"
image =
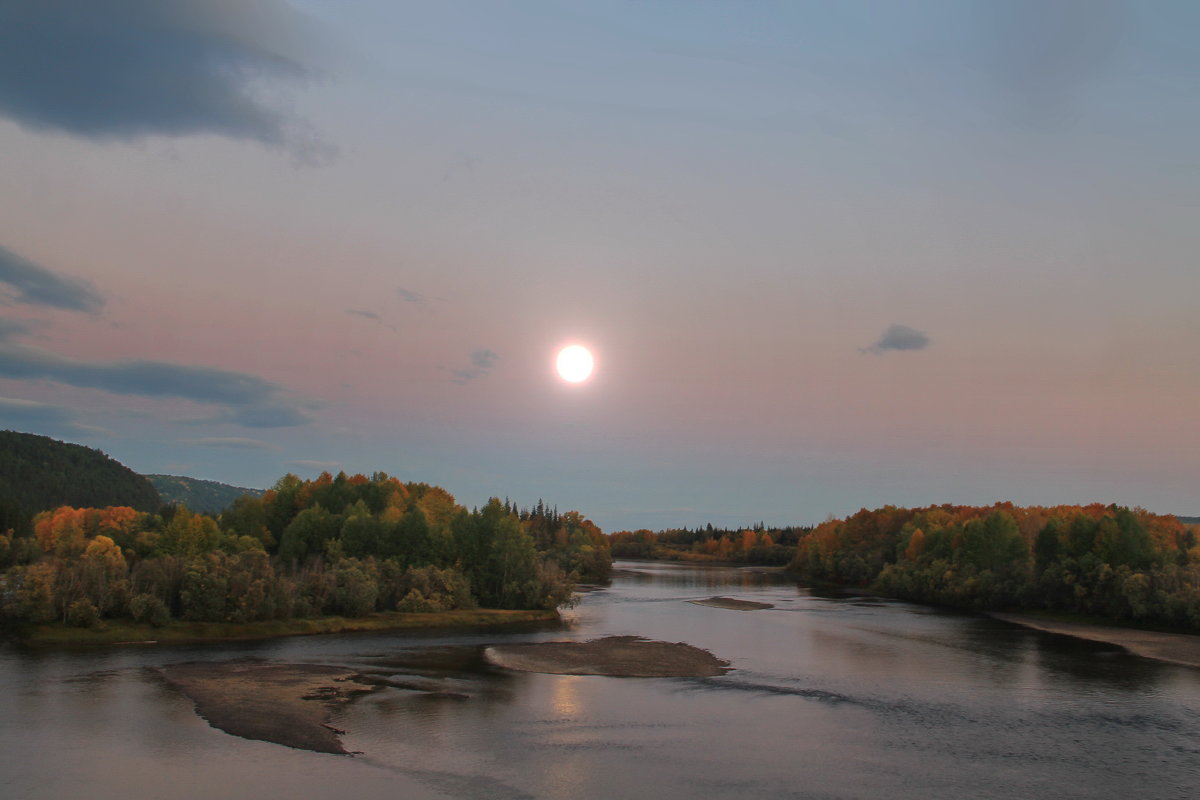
column 129, row 68
column 246, row 399
column 37, row 286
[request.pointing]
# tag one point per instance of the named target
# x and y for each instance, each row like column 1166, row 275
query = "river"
column 829, row 697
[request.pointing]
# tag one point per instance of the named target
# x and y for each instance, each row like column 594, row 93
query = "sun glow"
column 574, row 363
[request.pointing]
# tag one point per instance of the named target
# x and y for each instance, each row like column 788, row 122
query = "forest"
column 338, row 545
column 1112, row 562
column 754, row 545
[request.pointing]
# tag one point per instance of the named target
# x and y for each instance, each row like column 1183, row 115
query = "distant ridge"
column 1188, row 520
column 207, row 497
column 38, row 473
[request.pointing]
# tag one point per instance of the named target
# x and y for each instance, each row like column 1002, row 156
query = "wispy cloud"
column 122, row 69
column 13, row 329
column 31, row 415
column 899, row 337
column 18, row 413
column 230, row 442
column 416, row 298
column 482, row 362
column 32, row 284
column 371, row 315
column 246, row 400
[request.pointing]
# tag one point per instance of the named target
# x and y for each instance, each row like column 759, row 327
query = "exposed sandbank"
column 621, row 656
column 1176, row 648
column 732, row 604
column 289, row 704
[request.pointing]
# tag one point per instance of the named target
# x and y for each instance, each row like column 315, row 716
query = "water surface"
column 830, row 697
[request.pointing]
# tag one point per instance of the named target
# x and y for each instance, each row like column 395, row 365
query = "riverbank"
column 1174, row 648
column 118, row 632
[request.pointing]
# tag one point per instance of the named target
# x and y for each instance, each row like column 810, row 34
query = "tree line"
column 345, row 544
column 755, row 545
column 1108, row 561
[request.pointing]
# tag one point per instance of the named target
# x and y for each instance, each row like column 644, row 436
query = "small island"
column 732, row 604
column 618, row 656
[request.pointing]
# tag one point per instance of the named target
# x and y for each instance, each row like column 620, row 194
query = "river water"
column 830, row 697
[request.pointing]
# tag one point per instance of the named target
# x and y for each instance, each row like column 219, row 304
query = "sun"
column 574, row 363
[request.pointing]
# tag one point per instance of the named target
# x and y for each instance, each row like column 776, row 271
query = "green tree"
column 306, row 535
column 363, row 534
column 204, row 589
column 356, row 588
column 994, row 543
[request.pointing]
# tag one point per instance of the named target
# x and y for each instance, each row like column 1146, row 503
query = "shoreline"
column 1174, row 648
column 123, row 633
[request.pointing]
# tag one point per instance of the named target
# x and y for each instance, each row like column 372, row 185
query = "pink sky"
column 731, row 213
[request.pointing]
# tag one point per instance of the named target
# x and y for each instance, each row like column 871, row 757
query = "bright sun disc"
column 574, row 363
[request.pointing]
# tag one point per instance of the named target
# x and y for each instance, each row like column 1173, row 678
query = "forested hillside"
column 207, row 497
column 39, row 473
column 1108, row 561
column 344, row 545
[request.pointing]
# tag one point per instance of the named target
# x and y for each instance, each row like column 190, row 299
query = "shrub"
column 83, row 614
column 147, row 608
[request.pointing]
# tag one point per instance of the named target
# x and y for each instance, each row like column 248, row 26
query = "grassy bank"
column 121, row 632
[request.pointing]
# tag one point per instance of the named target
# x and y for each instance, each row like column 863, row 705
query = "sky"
column 827, row 256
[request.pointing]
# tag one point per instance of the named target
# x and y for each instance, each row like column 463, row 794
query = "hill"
column 38, row 473
column 208, row 497
column 1188, row 520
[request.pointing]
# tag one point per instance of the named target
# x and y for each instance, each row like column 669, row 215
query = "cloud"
column 13, row 329
column 123, row 69
column 247, row 399
column 482, row 362
column 899, row 337
column 264, row 415
column 371, row 315
column 32, row 415
column 21, row 413
column 416, row 298
column 232, row 442
column 484, row 359
column 37, row 286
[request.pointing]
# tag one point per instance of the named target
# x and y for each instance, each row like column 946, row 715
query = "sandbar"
column 289, row 704
column 620, row 656
column 732, row 604
column 1175, row 648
